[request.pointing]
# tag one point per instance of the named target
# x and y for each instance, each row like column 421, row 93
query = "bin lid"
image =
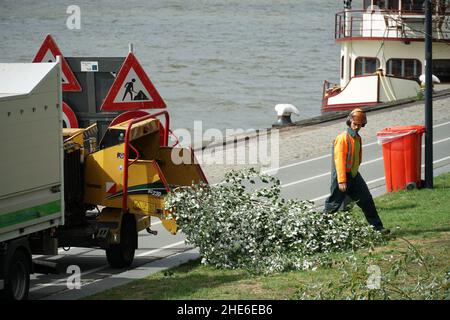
column 390, row 134
column 402, row 129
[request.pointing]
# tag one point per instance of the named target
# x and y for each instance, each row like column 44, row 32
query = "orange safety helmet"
column 357, row 115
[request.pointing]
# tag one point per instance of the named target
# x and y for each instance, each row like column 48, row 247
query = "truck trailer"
column 31, row 173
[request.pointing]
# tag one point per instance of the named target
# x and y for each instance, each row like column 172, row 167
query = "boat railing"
column 390, row 24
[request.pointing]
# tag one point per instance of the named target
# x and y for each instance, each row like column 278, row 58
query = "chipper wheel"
column 122, row 255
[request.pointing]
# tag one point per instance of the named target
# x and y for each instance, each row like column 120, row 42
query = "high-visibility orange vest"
column 344, row 150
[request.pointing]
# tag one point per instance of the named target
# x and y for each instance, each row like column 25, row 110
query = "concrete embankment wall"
column 313, row 137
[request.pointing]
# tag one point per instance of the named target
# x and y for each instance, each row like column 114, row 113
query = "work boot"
column 384, row 231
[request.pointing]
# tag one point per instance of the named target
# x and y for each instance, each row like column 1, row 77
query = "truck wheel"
column 122, row 255
column 18, row 282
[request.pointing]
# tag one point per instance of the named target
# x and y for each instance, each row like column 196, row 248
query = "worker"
column 129, row 89
column 345, row 178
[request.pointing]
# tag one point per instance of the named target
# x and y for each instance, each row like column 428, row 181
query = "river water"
column 223, row 62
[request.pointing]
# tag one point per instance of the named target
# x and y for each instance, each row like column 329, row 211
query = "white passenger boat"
column 383, row 52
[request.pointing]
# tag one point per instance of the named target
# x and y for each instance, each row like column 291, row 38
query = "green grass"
column 422, row 217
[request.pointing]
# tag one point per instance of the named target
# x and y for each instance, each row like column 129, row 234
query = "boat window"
column 404, row 68
column 441, row 69
column 393, row 5
column 380, row 3
column 385, row 4
column 442, row 6
column 342, row 67
column 413, row 5
column 367, row 4
column 366, row 65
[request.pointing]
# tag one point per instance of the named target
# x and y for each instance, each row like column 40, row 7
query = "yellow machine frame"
column 137, row 185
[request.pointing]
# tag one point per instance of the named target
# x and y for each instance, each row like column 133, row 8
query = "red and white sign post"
column 132, row 89
column 47, row 53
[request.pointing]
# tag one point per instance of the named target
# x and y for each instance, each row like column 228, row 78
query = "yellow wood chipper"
column 126, row 178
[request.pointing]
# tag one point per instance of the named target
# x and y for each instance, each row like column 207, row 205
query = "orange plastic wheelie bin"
column 402, row 154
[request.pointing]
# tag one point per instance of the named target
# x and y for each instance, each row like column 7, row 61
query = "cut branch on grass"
column 238, row 225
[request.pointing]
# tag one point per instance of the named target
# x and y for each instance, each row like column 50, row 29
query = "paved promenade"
column 298, row 143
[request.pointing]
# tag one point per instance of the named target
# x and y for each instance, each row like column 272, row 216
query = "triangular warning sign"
column 47, row 53
column 132, row 89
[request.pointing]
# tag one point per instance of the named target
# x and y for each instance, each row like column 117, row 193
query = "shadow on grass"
column 401, row 233
column 183, row 285
column 439, row 185
column 186, row 281
column 398, row 207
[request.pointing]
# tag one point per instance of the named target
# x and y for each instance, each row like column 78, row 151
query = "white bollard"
column 284, row 112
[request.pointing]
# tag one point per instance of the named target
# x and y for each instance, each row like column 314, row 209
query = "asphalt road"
column 308, row 179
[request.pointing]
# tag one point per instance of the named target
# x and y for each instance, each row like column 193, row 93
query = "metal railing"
column 128, row 162
column 396, row 24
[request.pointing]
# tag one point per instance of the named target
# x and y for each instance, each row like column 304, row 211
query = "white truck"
column 31, row 173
